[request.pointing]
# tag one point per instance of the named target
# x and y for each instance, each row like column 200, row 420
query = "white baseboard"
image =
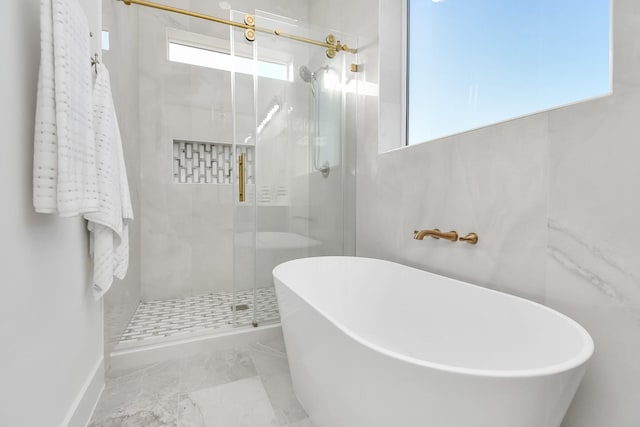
column 85, row 403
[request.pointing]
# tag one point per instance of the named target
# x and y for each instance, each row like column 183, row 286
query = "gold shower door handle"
column 241, row 184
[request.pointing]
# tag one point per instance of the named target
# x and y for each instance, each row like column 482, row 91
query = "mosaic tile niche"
column 209, row 162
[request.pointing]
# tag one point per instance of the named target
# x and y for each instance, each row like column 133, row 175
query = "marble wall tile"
column 492, row 182
column 177, row 122
column 210, row 266
column 553, row 197
column 578, row 287
column 626, row 44
column 166, row 267
column 212, row 241
column 166, row 247
column 595, row 180
column 592, row 272
column 328, row 224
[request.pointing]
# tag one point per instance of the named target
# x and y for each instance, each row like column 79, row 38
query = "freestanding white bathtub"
column 375, row 343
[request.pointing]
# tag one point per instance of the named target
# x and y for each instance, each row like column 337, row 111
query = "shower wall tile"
column 167, row 249
column 210, row 266
column 166, row 263
column 176, row 119
column 328, row 218
column 212, row 241
column 179, row 101
column 181, row 228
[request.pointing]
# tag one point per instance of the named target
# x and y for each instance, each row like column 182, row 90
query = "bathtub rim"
column 581, row 358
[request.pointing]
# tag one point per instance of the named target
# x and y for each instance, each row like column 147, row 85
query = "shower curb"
column 121, row 359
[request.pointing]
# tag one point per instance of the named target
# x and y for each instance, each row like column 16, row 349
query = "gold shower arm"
column 331, row 44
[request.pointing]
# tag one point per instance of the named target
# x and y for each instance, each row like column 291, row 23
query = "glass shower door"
column 244, row 228
column 300, row 138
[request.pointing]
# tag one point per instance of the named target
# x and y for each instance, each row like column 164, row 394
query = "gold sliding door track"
column 331, row 45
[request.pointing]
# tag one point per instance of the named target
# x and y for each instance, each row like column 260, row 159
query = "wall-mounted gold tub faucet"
column 452, row 236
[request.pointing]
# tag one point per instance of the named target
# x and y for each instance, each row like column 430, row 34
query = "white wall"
column 553, row 197
column 50, row 326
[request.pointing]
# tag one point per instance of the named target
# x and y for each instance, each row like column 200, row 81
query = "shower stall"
column 247, row 160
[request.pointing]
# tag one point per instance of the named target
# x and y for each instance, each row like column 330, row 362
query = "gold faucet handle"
column 471, row 238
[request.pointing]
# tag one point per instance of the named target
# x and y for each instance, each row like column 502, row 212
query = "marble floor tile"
column 283, row 400
column 244, row 386
column 208, row 370
column 302, row 423
column 276, row 343
column 269, row 359
column 162, row 411
column 271, row 363
column 242, row 403
column 128, row 391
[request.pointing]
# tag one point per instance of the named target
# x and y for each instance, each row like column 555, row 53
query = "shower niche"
column 208, row 162
column 213, row 227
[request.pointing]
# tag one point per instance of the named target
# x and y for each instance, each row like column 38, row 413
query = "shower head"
column 307, row 75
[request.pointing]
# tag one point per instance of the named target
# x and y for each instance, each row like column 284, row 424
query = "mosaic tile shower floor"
column 172, row 318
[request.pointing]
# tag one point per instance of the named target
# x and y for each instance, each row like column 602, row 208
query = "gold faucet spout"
column 452, row 236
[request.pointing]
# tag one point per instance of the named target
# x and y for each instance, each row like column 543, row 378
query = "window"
column 105, row 40
column 473, row 63
column 195, row 49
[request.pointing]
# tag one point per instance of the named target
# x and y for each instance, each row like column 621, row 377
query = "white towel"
column 109, row 224
column 45, row 155
column 64, row 173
